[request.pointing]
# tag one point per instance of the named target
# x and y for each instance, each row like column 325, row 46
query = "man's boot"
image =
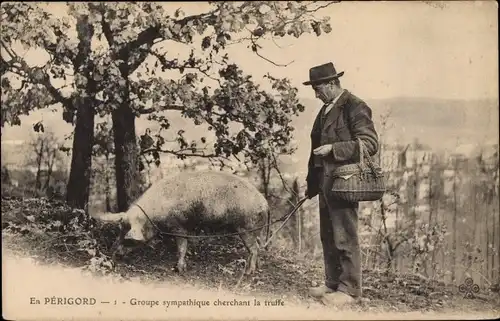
column 320, row 291
column 337, row 299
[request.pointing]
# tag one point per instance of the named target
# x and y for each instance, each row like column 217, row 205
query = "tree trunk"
column 487, row 250
column 81, row 158
column 78, row 189
column 416, row 186
column 498, row 239
column 126, row 152
column 265, row 171
column 428, row 265
column 50, row 166
column 300, row 219
column 39, row 160
column 107, row 187
column 454, row 228
column 295, row 220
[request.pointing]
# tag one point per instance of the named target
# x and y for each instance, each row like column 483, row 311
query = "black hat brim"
column 324, row 79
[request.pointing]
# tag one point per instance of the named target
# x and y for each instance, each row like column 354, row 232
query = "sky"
column 386, row 49
column 392, row 49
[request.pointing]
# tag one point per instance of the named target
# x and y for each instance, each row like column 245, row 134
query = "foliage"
column 25, row 87
column 441, row 221
column 265, row 121
column 131, row 31
column 58, row 229
column 22, row 184
column 103, row 140
column 5, row 176
column 426, row 239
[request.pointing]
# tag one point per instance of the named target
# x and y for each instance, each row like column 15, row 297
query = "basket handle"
column 361, row 151
column 363, row 154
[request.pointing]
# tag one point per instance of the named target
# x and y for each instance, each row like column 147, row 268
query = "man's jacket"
column 350, row 118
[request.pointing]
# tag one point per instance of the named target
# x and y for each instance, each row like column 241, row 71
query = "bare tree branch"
column 172, row 64
column 238, row 41
column 152, row 109
column 272, row 62
column 327, row 4
column 106, row 29
column 186, row 152
column 136, row 61
column 149, row 35
column 403, row 239
column 255, row 49
column 8, row 50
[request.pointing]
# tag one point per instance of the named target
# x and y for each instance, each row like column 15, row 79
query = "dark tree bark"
column 125, row 139
column 39, row 160
column 78, row 189
column 265, row 175
column 81, row 158
column 126, row 151
column 107, row 188
column 51, row 159
column 454, row 226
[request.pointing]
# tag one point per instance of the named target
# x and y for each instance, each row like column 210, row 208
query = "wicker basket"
column 360, row 182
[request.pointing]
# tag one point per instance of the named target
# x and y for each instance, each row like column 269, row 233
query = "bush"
column 5, row 176
column 27, row 191
column 52, row 226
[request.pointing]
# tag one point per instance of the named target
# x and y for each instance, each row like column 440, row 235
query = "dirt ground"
column 45, row 266
column 26, row 280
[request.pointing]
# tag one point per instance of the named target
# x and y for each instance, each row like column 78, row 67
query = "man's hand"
column 323, row 150
column 306, row 194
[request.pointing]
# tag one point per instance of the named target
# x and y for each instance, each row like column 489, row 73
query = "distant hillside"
column 440, row 124
column 437, row 123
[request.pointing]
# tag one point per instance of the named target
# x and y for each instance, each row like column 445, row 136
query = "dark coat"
column 333, row 129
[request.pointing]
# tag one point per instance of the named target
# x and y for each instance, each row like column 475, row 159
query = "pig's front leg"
column 181, row 253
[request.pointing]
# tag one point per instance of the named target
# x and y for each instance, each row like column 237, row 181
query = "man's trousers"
column 339, row 236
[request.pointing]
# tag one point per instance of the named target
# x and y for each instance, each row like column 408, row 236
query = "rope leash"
column 284, row 218
column 299, row 204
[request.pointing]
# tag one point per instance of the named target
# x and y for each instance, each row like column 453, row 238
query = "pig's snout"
column 133, row 238
column 132, row 242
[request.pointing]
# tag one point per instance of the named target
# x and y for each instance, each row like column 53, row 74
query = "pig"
column 185, row 202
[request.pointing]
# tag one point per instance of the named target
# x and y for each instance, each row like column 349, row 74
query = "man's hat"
column 322, row 73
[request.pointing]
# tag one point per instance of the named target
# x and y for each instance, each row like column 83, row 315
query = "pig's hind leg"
column 181, row 253
column 250, row 241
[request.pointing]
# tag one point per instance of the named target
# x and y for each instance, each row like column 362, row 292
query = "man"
column 342, row 119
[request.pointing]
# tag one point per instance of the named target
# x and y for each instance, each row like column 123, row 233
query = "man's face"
column 324, row 92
